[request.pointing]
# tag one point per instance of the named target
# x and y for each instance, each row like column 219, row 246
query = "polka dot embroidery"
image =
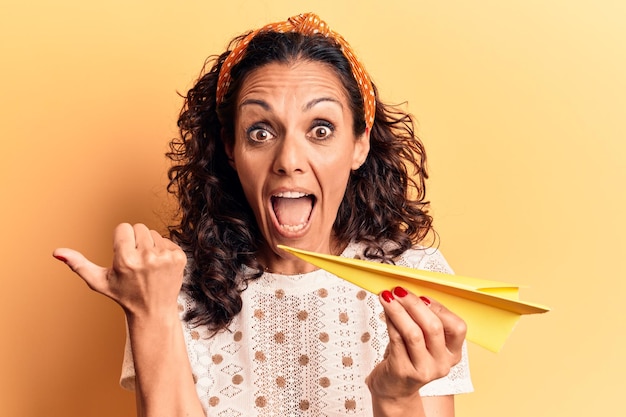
column 214, row 401
column 361, row 295
column 237, row 379
column 324, row 382
column 350, row 404
column 306, row 24
column 260, row 402
column 304, row 405
column 343, row 317
column 217, row 359
column 346, row 361
column 279, row 337
column 237, row 336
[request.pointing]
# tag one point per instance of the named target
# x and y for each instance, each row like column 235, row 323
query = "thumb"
column 94, row 275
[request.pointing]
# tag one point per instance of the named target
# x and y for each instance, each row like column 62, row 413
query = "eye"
column 259, row 134
column 322, row 130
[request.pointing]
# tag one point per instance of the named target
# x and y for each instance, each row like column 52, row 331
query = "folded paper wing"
column 490, row 308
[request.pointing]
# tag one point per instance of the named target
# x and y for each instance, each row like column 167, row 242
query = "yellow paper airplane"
column 490, row 308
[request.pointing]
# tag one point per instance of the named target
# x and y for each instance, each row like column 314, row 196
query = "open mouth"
column 293, row 209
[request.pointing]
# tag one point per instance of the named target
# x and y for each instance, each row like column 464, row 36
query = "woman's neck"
column 279, row 262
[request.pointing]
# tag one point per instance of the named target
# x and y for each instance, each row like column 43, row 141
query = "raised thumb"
column 94, row 275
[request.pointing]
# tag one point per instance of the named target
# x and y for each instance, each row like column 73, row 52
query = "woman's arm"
column 164, row 384
column 425, row 342
column 439, row 406
column 145, row 279
column 434, row 406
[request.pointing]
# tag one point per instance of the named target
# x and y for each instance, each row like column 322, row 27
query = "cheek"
column 336, row 180
column 251, row 185
column 248, row 174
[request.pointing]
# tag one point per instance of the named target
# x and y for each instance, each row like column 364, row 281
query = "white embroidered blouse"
column 301, row 346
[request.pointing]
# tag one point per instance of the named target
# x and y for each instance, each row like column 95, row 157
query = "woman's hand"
column 145, row 277
column 425, row 342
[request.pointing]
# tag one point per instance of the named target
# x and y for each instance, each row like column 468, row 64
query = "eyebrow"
column 313, row 102
column 306, row 107
column 250, row 101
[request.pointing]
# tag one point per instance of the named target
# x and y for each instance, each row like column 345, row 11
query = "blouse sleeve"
column 127, row 379
column 458, row 381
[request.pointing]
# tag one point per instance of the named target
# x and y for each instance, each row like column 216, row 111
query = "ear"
column 228, row 148
column 361, row 150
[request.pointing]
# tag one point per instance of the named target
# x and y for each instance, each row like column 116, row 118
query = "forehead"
column 300, row 77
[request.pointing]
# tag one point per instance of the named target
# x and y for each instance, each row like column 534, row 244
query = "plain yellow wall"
column 522, row 105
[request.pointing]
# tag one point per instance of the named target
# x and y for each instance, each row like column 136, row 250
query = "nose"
column 290, row 156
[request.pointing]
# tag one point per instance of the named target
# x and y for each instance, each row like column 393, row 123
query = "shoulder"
column 427, row 258
column 418, row 257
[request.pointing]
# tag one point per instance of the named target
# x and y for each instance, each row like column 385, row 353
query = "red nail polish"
column 400, row 292
column 60, row 258
column 425, row 300
column 387, row 296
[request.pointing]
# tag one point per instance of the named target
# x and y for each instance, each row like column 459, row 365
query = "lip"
column 290, row 234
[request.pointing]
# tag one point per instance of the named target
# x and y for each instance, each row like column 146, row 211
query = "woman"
column 284, row 141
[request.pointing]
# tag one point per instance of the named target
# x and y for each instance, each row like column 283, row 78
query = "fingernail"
column 425, row 300
column 400, row 292
column 60, row 258
column 387, row 296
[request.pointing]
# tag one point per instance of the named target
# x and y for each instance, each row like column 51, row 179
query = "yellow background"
column 522, row 106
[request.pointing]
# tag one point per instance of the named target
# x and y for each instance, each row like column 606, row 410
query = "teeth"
column 290, row 194
column 293, row 228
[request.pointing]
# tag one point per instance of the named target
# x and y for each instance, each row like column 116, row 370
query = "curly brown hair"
column 384, row 201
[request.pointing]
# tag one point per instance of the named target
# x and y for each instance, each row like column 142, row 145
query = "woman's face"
column 294, row 149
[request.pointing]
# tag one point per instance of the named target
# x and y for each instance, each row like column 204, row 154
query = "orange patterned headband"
column 306, row 24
